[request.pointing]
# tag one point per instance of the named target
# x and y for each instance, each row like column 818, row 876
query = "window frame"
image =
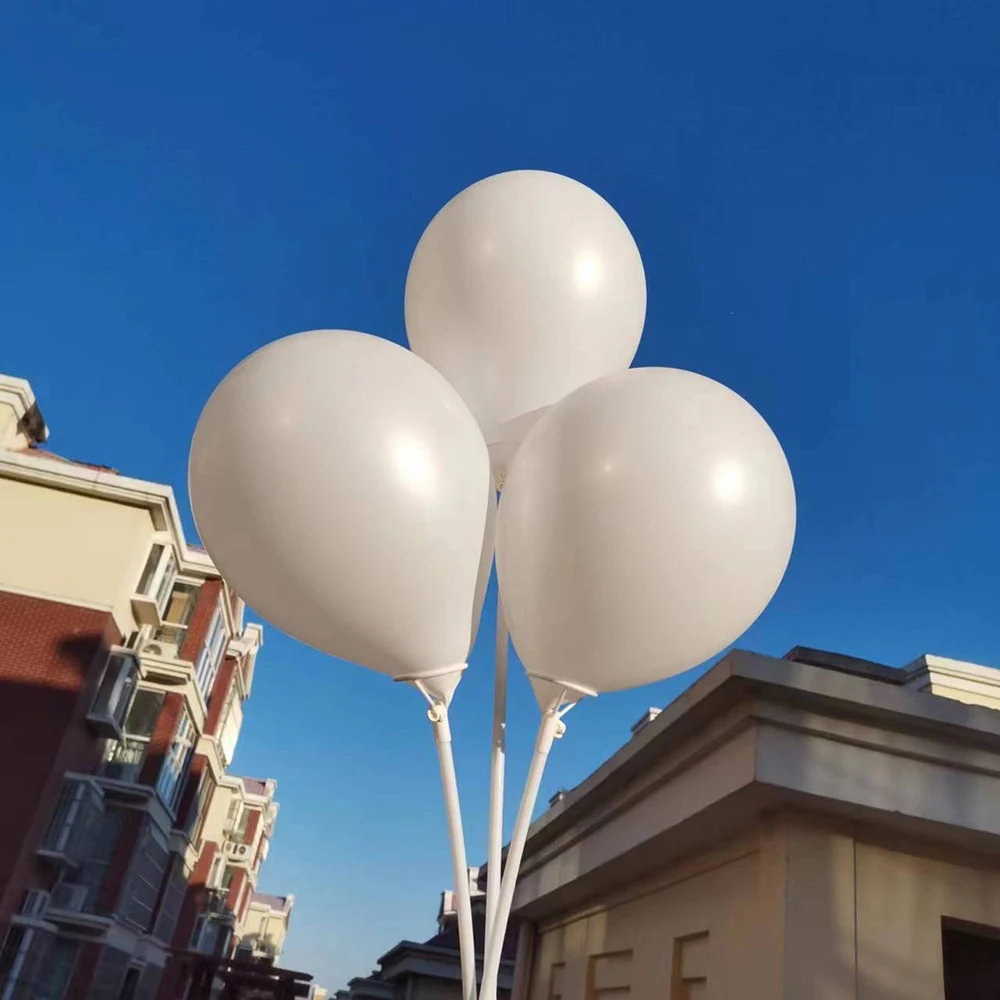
column 157, row 578
column 118, row 702
column 174, row 633
column 176, row 760
column 211, row 654
column 132, row 740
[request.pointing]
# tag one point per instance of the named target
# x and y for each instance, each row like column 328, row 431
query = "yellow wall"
column 901, row 900
column 72, row 548
column 812, row 912
column 274, row 933
column 634, row 943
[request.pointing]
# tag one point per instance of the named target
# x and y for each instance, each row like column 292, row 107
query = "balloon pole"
column 557, row 698
column 438, row 695
column 497, row 750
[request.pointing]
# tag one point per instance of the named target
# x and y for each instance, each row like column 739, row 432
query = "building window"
column 158, row 575
column 123, row 758
column 109, row 975
column 145, row 878
column 111, row 703
column 129, row 984
column 75, row 821
column 197, row 818
column 971, row 959
column 148, row 982
column 35, row 965
column 232, row 723
column 16, row 969
column 150, row 569
column 170, row 905
column 239, row 833
column 690, row 968
column 210, row 657
column 79, row 889
column 217, row 872
column 208, row 934
column 177, row 614
column 175, row 762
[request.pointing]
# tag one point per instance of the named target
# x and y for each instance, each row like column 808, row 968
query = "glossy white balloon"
column 524, row 287
column 342, row 487
column 646, row 522
column 485, row 562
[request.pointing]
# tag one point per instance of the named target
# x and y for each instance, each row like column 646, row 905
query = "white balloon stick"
column 551, row 728
column 438, row 715
column 497, row 760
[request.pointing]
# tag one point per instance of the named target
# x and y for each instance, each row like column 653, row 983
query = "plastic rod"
column 497, row 753
column 438, row 714
column 550, row 727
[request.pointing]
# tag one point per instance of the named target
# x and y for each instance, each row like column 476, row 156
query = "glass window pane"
column 207, row 666
column 152, row 561
column 166, row 581
column 180, row 607
column 144, row 712
column 116, row 688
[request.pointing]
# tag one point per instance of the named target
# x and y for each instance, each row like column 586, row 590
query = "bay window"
column 123, row 758
column 107, row 713
column 210, row 657
column 175, row 761
column 177, row 614
column 155, row 584
column 146, row 875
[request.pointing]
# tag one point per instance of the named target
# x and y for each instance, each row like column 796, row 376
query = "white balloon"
column 524, row 287
column 485, row 562
column 646, row 522
column 342, row 487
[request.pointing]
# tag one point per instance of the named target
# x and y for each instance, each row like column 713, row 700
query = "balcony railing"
column 123, row 759
column 217, row 901
column 75, row 823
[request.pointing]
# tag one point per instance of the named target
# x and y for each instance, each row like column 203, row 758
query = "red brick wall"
column 51, row 659
column 201, row 620
column 217, row 699
column 253, row 821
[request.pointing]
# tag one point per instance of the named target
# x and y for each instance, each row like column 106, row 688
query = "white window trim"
column 212, row 651
column 181, row 630
column 175, row 760
column 167, row 567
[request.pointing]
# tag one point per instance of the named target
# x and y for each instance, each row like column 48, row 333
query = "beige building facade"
column 265, row 927
column 812, row 828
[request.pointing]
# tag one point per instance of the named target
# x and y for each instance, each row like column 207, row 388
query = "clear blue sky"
column 814, row 189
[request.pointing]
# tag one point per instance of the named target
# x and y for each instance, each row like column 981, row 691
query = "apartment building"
column 265, row 927
column 125, row 661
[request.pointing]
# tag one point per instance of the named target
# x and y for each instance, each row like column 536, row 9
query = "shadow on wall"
column 45, row 689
